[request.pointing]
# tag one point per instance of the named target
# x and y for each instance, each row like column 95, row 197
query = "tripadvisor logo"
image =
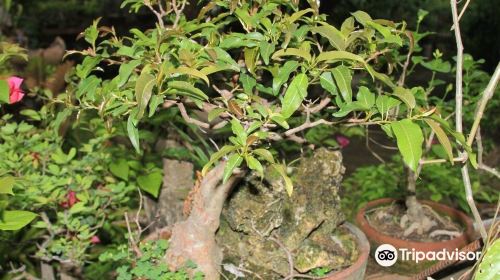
column 387, row 255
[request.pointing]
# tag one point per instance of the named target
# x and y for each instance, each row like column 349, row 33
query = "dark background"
column 42, row 21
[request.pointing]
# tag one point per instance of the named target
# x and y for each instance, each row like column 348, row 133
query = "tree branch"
column 487, row 95
column 458, row 119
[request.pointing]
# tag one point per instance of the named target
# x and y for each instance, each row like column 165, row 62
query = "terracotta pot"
column 376, row 238
column 356, row 270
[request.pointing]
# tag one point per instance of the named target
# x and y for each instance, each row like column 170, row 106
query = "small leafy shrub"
column 150, row 265
column 74, row 194
column 438, row 182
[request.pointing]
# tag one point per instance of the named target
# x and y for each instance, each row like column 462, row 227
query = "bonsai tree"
column 262, row 71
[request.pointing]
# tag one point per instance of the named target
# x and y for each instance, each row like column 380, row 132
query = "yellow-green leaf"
column 143, row 90
column 338, row 55
column 16, row 219
column 233, row 162
column 334, row 36
column 6, row 185
column 192, row 72
column 292, row 52
column 409, row 139
column 442, row 137
column 294, row 95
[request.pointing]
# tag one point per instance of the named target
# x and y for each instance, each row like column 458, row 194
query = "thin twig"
column 306, row 125
column 458, row 118
column 190, row 120
column 131, row 238
column 487, row 95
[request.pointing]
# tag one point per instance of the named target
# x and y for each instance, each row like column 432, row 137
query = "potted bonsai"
column 424, row 225
column 261, row 71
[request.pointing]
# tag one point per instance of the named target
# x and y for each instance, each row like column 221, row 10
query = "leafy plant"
column 440, row 183
column 150, row 265
column 73, row 194
column 264, row 71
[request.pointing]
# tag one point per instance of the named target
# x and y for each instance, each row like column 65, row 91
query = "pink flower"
column 71, row 200
column 342, row 140
column 95, row 239
column 15, row 94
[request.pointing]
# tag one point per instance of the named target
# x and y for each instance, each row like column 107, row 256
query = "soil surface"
column 388, row 220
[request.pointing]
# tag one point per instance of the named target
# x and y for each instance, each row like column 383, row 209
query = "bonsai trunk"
column 194, row 238
column 415, row 219
column 414, row 208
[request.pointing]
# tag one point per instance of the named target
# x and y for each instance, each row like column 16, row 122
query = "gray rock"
column 260, row 222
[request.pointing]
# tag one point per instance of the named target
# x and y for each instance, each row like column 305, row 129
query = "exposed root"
column 451, row 234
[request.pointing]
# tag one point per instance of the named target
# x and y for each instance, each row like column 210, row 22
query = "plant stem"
column 487, row 95
column 458, row 119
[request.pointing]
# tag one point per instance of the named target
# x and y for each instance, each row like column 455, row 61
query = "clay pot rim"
column 452, row 244
column 360, row 263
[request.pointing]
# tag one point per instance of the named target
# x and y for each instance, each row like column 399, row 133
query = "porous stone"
column 260, row 222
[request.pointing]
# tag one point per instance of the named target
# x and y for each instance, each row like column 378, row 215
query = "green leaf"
column 266, row 49
column 389, row 37
column 409, row 138
column 155, row 101
column 362, row 17
column 265, row 154
column 216, row 156
column 250, row 55
column 406, row 96
column 248, row 83
column 343, row 77
column 78, row 207
column 387, row 129
column 187, row 89
column 294, row 95
column 279, row 119
column 326, row 81
column 214, row 113
column 151, row 183
column 16, row 219
column 88, row 87
column 120, row 169
column 133, row 132
column 385, row 103
column 6, row 185
column 489, row 267
column 143, row 90
column 192, row 72
column 91, row 33
column 125, row 71
column 254, row 164
column 334, row 36
column 238, row 130
column 4, row 92
column 293, row 52
column 346, row 108
column 32, row 114
column 288, row 182
column 379, row 76
column 437, row 65
column 297, row 15
column 442, row 137
column 83, row 69
column 234, row 161
column 365, row 98
column 283, row 74
column 338, row 55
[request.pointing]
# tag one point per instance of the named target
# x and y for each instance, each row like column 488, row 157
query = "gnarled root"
column 194, row 238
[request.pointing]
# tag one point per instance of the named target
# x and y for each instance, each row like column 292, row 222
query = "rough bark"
column 177, row 182
column 418, row 221
column 194, row 238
